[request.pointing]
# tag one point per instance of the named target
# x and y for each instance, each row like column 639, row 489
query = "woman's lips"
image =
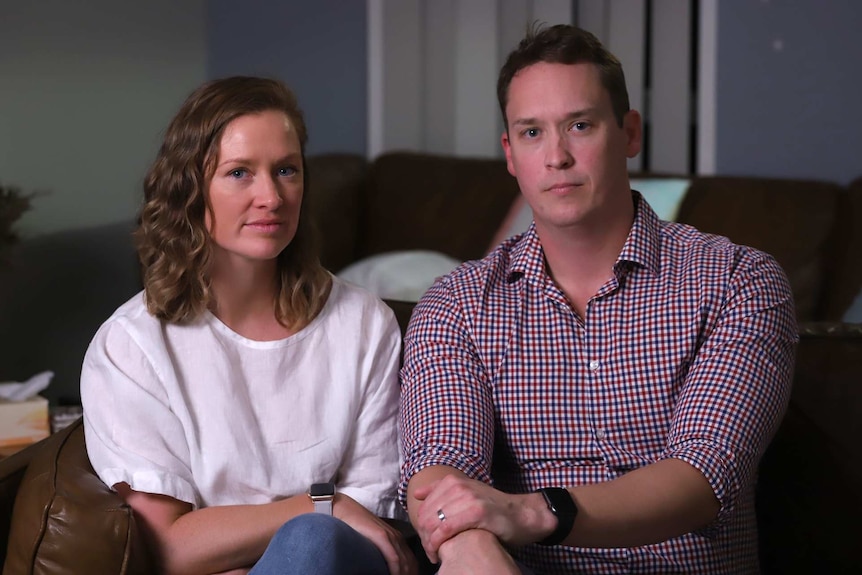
column 267, row 226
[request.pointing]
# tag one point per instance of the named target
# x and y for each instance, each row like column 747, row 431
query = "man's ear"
column 633, row 128
column 507, row 149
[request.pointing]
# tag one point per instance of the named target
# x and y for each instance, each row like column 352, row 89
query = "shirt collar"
column 643, row 244
column 641, row 247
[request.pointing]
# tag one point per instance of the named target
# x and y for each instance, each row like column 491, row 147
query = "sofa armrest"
column 12, row 471
column 827, row 385
column 808, row 500
column 65, row 520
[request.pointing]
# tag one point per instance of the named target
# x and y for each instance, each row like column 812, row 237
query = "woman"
column 244, row 372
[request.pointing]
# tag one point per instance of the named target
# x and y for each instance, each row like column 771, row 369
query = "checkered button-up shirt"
column 685, row 352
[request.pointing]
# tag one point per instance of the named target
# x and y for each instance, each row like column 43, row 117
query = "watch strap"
column 563, row 507
column 322, row 495
column 323, row 506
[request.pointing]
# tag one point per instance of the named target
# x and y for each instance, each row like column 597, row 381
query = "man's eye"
column 531, row 132
column 580, row 126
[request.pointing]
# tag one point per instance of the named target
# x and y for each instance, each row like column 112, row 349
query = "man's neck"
column 580, row 259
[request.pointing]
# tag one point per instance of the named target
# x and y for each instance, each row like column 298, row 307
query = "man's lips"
column 562, row 187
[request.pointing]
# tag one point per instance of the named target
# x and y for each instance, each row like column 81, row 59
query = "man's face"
column 564, row 146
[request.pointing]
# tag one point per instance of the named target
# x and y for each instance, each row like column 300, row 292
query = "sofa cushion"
column 403, row 275
column 65, row 520
column 790, row 219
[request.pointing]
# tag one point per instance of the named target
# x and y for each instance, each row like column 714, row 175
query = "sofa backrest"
column 429, row 202
column 333, row 198
column 790, row 219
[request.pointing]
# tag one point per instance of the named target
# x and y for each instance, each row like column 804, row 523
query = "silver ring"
column 440, row 515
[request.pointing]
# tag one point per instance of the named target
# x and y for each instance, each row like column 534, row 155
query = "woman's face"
column 256, row 189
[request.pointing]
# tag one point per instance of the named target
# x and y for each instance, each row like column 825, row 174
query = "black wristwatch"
column 563, row 507
column 322, row 495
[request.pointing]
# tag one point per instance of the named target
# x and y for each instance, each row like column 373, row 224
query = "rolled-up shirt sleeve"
column 447, row 411
column 737, row 389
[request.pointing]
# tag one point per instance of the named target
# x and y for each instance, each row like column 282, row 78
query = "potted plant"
column 12, row 204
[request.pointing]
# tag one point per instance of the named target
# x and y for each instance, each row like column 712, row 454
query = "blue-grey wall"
column 317, row 48
column 86, row 91
column 789, row 87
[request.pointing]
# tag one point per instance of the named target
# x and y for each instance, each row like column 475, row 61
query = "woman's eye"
column 238, row 173
column 287, row 171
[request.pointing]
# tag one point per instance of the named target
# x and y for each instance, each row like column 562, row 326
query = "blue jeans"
column 318, row 544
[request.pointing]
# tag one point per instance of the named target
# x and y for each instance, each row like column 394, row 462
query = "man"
column 595, row 395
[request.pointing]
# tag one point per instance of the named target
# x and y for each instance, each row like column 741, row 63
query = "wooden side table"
column 7, row 450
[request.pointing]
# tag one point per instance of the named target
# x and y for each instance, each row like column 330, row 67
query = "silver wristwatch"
column 321, row 495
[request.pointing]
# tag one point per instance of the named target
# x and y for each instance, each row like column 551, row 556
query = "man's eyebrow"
column 575, row 115
column 525, row 122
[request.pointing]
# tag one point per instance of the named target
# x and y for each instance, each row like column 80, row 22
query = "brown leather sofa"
column 808, row 502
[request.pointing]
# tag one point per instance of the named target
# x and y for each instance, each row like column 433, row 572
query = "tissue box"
column 23, row 422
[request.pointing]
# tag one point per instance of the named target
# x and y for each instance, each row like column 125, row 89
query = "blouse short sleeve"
column 131, row 433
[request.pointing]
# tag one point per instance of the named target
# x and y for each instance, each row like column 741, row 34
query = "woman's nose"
column 268, row 193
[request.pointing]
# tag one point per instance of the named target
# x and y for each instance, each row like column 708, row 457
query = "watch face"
column 560, row 502
column 322, row 489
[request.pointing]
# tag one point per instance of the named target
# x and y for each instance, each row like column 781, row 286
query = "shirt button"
column 594, row 365
column 600, row 434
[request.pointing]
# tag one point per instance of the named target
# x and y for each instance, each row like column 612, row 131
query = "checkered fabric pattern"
column 685, row 352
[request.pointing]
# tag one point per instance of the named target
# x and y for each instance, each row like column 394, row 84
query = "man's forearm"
column 652, row 504
column 655, row 503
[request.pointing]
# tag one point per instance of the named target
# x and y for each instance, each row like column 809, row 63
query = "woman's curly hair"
column 174, row 245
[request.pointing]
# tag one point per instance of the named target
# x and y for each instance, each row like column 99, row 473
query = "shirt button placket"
column 594, row 366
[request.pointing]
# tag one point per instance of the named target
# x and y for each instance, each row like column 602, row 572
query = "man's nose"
column 559, row 155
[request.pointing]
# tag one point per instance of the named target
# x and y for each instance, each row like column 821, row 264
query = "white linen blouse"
column 199, row 413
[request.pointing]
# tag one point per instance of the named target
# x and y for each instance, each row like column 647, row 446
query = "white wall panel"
column 593, row 15
column 707, row 85
column 552, row 11
column 515, row 17
column 439, row 99
column 669, row 102
column 626, row 39
column 403, row 77
column 375, row 67
column 433, row 68
column 476, row 71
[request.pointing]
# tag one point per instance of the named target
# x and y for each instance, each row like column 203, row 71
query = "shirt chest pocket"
column 544, row 418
